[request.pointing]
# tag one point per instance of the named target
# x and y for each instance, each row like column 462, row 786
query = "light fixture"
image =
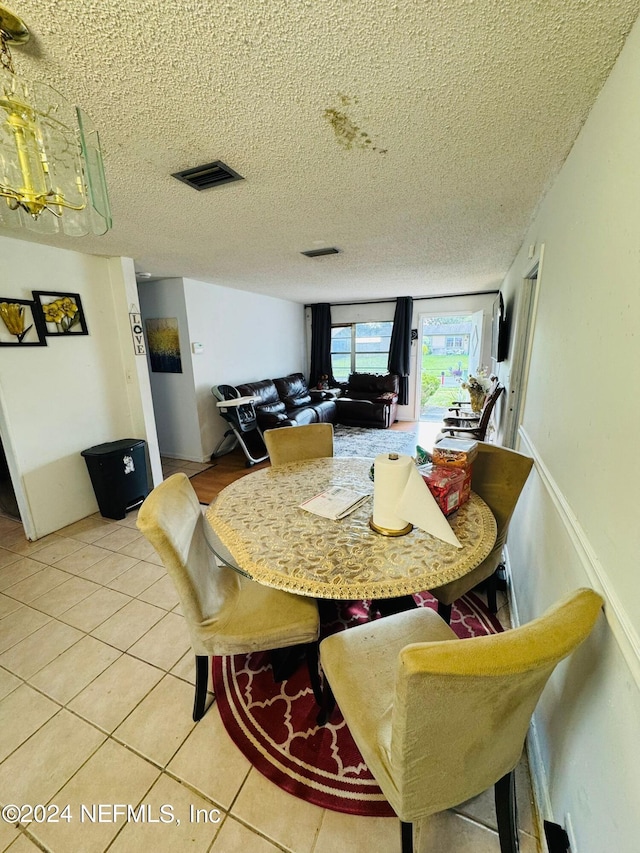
column 51, row 172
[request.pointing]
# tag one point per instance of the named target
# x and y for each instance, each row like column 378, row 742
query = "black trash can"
column 118, row 471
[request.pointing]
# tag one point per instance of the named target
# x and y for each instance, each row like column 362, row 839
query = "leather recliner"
column 369, row 400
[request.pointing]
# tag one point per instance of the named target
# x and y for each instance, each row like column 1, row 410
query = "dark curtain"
column 320, row 344
column 400, row 346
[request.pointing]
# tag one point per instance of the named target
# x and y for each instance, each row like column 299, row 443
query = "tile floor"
column 96, row 695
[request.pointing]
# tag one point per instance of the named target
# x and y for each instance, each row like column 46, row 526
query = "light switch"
column 197, row 348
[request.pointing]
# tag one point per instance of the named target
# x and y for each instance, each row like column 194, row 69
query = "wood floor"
column 233, row 465
column 224, row 470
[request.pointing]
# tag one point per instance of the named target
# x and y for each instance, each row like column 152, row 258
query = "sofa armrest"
column 315, row 395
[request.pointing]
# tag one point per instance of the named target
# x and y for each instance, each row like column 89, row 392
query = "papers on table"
column 335, row 503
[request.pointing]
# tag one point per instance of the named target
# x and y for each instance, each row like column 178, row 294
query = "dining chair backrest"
column 298, row 443
column 463, row 427
column 498, row 476
column 171, row 519
column 462, row 708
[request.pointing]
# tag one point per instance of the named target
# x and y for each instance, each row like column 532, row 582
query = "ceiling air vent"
column 207, row 176
column 318, row 253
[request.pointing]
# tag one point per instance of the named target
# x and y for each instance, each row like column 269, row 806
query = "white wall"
column 244, row 337
column 576, row 523
column 57, row 400
column 173, row 393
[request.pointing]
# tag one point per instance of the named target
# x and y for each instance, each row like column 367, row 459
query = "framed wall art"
column 21, row 323
column 62, row 313
column 163, row 340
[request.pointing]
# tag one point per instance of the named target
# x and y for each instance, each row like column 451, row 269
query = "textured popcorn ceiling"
column 469, row 109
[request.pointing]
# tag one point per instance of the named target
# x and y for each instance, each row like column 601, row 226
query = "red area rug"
column 274, row 724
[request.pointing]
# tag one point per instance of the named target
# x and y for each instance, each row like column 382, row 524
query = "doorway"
column 450, row 347
column 522, row 337
column 8, row 502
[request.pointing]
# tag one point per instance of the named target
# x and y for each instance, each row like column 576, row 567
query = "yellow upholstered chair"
column 226, row 613
column 438, row 720
column 297, row 443
column 499, row 475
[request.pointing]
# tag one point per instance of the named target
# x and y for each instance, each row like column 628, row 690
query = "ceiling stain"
column 348, row 134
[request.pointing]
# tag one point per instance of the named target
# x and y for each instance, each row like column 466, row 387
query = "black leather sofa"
column 287, row 401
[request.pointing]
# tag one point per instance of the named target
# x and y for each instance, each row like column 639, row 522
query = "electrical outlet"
column 568, row 825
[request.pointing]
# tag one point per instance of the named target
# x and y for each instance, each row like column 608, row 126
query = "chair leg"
column 505, row 794
column 328, row 702
column 202, row 679
column 406, row 836
column 444, row 611
column 391, row 606
column 311, row 651
column 491, row 586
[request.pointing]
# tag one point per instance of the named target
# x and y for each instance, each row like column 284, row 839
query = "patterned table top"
column 258, row 519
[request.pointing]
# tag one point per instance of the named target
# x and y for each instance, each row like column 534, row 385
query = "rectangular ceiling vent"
column 207, row 176
column 318, row 253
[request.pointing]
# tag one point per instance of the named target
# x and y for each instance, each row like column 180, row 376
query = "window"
column 361, row 348
column 454, row 344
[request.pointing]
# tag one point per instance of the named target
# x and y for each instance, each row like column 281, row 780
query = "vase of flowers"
column 478, row 387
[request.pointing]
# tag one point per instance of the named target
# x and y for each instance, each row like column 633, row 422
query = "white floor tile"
column 164, row 644
column 82, row 559
column 113, row 695
column 37, row 584
column 40, row 648
column 136, row 579
column 8, row 683
column 13, row 573
column 19, row 624
column 112, row 775
column 126, row 626
column 161, row 722
column 286, row 820
column 65, row 596
column 210, row 762
column 38, row 768
column 74, row 669
column 234, row 837
column 8, row 605
column 95, row 609
column 21, row 714
column 161, row 594
column 195, row 825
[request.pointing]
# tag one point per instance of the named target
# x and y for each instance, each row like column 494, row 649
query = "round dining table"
column 256, row 526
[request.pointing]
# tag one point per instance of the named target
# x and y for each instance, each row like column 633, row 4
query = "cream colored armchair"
column 297, row 443
column 438, row 720
column 226, row 613
column 499, row 475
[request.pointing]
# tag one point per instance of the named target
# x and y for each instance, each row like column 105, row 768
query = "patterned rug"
column 274, row 724
column 360, row 441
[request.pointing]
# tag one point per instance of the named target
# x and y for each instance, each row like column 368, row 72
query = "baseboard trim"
column 537, row 771
column 624, row 632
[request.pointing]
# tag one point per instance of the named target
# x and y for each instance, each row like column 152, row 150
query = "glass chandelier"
column 51, row 172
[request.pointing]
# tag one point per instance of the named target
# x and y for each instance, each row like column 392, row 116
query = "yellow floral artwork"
column 163, row 340
column 13, row 317
column 62, row 315
column 19, row 325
